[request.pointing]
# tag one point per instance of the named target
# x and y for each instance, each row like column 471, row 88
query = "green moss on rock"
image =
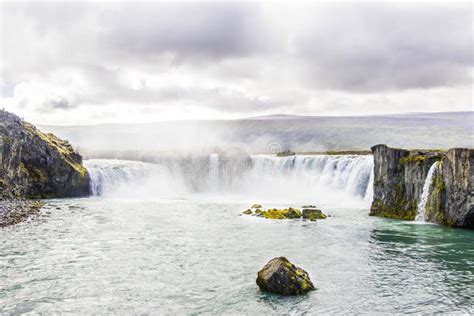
column 282, row 277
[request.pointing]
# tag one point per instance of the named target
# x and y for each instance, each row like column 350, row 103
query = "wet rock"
column 247, row 212
column 257, row 206
column 282, row 277
column 275, row 214
column 294, row 213
column 313, row 214
column 14, row 211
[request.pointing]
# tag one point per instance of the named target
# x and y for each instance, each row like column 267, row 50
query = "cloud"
column 373, row 47
column 81, row 62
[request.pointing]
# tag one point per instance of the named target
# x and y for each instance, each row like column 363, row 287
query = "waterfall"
column 318, row 178
column 342, row 180
column 214, row 171
column 130, row 178
column 420, row 216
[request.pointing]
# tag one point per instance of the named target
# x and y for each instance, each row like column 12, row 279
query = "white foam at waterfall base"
column 132, row 179
column 316, row 179
column 420, row 216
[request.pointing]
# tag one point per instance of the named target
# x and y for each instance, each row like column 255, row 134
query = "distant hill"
column 275, row 132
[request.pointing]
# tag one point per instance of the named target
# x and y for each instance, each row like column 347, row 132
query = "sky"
column 90, row 63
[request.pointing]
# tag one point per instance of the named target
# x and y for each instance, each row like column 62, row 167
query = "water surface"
column 196, row 255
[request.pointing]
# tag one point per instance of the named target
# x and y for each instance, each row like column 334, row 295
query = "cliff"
column 399, row 176
column 37, row 165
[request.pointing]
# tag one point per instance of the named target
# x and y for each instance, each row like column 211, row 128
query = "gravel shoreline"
column 14, row 211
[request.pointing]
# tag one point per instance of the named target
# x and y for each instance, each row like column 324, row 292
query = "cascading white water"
column 214, row 171
column 316, row 178
column 130, row 178
column 342, row 180
column 420, row 216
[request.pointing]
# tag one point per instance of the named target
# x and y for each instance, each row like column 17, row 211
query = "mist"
column 270, row 135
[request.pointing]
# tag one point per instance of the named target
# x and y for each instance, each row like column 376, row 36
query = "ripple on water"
column 99, row 256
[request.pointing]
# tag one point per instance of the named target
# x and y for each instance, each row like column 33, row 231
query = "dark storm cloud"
column 385, row 46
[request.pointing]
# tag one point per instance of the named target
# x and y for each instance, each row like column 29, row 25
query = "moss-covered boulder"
column 282, row 277
column 294, row 213
column 275, row 214
column 313, row 214
column 257, row 206
column 38, row 165
column 247, row 212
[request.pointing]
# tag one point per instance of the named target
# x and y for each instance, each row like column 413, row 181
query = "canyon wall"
column 399, row 176
column 37, row 165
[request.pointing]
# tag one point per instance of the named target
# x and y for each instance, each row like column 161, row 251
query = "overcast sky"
column 71, row 63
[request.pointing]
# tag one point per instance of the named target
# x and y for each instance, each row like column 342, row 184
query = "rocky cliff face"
column 399, row 176
column 451, row 199
column 38, row 165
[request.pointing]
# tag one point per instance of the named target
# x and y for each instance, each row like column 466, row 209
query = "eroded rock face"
column 38, row 165
column 451, row 199
column 399, row 176
column 282, row 277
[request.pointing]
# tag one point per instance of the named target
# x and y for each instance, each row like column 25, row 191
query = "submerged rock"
column 282, row 277
column 313, row 214
column 14, row 211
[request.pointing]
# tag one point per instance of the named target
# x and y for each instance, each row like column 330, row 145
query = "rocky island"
column 35, row 165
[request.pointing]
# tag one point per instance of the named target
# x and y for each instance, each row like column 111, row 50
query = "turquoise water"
column 194, row 256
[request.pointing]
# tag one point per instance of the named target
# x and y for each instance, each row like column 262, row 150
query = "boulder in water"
column 313, row 214
column 247, row 212
column 257, row 206
column 294, row 213
column 275, row 214
column 282, row 277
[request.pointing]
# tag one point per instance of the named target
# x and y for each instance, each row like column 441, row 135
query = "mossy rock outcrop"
column 282, row 277
column 38, row 165
column 247, row 212
column 313, row 214
column 290, row 213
